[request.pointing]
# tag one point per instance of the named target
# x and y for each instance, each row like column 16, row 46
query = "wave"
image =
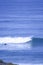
column 15, row 39
column 37, row 41
column 15, row 43
column 34, row 40
column 21, row 42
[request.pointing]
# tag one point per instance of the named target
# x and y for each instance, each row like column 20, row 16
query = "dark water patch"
column 37, row 42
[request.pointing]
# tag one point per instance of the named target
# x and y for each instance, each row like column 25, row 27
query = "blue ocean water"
column 23, row 53
column 21, row 28
column 22, row 18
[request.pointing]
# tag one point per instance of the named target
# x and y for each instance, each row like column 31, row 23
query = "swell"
column 28, row 40
column 37, row 41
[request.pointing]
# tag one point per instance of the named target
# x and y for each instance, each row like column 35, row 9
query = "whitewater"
column 15, row 39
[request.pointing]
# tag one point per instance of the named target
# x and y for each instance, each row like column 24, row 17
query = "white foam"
column 15, row 39
column 15, row 47
column 31, row 64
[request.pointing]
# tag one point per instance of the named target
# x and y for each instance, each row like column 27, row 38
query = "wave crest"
column 15, row 39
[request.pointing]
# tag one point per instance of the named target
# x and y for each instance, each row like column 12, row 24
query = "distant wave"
column 15, row 39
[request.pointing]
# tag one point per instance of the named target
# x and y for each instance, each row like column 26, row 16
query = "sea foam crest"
column 15, row 39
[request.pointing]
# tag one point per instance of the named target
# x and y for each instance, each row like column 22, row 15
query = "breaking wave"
column 19, row 43
column 15, row 43
column 15, row 39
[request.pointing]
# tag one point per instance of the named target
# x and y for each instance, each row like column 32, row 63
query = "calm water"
column 21, row 18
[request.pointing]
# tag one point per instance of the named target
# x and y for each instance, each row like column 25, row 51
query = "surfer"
column 5, row 44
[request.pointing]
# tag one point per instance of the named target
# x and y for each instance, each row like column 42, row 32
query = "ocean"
column 29, row 53
column 21, row 31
